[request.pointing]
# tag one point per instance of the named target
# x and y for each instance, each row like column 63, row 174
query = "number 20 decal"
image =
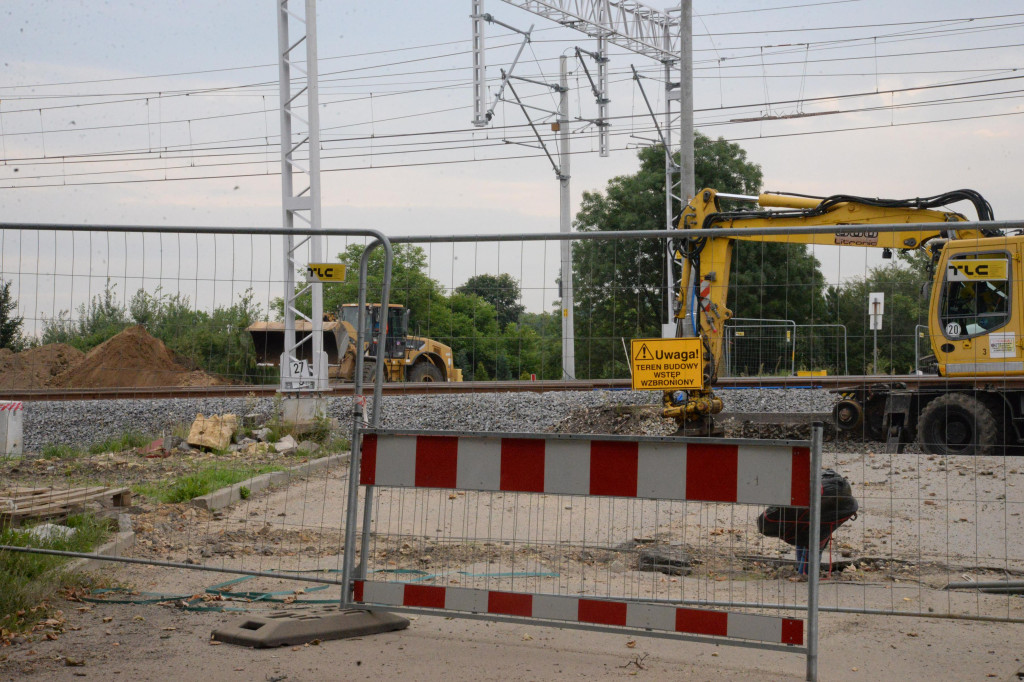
column 953, row 329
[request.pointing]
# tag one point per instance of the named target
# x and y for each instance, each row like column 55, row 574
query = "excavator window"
column 975, row 295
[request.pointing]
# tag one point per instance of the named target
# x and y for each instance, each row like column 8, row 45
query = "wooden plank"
column 61, row 503
column 57, row 497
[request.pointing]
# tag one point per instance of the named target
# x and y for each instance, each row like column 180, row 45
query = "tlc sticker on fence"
column 325, row 272
column 667, row 364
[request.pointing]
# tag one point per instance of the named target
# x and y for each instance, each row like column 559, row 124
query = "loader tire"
column 424, row 371
column 958, row 424
column 370, row 372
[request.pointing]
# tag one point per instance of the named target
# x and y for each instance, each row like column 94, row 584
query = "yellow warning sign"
column 326, row 272
column 667, row 364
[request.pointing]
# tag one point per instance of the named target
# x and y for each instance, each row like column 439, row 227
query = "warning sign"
column 667, row 364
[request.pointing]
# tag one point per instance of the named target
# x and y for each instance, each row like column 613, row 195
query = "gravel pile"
column 89, row 421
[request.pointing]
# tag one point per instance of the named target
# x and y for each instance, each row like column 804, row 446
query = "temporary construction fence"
column 545, row 529
column 925, row 521
column 764, row 348
column 754, row 347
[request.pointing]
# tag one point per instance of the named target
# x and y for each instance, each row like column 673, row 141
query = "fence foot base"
column 291, row 628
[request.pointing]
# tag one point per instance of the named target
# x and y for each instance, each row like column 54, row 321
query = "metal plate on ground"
column 290, row 628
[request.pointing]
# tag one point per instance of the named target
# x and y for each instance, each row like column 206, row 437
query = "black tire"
column 958, row 424
column 424, row 371
column 370, row 372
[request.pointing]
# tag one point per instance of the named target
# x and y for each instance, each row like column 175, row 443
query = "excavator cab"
column 977, row 329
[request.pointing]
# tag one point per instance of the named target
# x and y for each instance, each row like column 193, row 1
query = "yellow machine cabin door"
column 976, row 320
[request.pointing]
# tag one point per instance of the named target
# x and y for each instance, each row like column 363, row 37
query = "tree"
column 484, row 345
column 620, row 286
column 10, row 324
column 906, row 306
column 501, row 291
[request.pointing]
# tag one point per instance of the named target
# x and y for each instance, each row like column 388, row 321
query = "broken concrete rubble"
column 214, row 432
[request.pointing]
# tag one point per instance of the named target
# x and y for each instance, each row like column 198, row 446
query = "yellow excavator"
column 406, row 358
column 975, row 319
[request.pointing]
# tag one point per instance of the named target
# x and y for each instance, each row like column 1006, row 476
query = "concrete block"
column 11, row 417
column 303, row 411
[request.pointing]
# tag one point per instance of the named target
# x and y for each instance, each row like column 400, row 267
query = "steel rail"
column 410, row 388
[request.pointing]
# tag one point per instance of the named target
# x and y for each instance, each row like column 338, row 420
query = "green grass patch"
column 58, row 451
column 29, row 581
column 126, row 441
column 200, row 482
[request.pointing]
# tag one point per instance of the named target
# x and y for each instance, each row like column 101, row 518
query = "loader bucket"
column 268, row 339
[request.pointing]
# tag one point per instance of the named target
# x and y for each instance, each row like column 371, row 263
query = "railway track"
column 834, row 383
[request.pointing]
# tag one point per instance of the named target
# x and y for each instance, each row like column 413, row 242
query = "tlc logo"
column 964, row 270
column 326, row 272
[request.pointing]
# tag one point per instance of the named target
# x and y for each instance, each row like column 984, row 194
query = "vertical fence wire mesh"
column 926, row 519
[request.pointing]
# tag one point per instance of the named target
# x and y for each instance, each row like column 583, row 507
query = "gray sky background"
column 81, row 79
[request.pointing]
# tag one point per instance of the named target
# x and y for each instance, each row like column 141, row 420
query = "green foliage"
column 204, row 480
column 481, row 336
column 27, row 581
column 96, row 322
column 215, row 341
column 619, row 287
column 903, row 283
column 320, row 431
column 244, row 492
column 10, row 324
column 126, row 441
column 60, row 451
column 501, row 291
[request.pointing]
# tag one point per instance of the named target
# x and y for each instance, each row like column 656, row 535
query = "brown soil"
column 36, row 367
column 132, row 358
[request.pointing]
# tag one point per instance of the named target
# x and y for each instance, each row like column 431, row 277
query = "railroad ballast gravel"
column 83, row 422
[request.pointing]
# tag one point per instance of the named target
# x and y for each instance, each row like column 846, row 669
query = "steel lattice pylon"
column 655, row 34
column 300, row 165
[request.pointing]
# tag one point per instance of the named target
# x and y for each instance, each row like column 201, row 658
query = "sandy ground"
column 902, row 551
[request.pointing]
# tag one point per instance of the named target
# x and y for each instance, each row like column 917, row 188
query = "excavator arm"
column 707, row 261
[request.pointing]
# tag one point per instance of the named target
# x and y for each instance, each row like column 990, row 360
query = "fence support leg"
column 814, row 553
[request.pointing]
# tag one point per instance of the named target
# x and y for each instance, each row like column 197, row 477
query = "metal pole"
column 565, row 225
column 284, row 82
column 304, row 204
column 479, row 66
column 602, row 87
column 348, row 568
column 319, row 359
column 814, row 553
column 687, row 178
column 874, row 369
column 671, row 169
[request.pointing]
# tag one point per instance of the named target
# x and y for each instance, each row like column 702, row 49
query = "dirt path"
column 300, row 527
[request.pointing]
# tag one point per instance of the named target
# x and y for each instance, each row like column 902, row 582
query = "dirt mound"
column 132, row 358
column 36, row 367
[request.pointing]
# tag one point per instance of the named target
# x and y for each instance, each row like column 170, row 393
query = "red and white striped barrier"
column 11, row 406
column 552, row 607
column 745, row 473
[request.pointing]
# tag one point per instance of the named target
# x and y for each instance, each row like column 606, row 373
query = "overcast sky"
column 82, row 79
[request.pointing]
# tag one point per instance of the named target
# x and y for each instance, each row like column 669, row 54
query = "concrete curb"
column 231, row 494
column 124, row 539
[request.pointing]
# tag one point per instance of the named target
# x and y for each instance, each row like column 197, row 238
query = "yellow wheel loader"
column 406, row 358
column 975, row 320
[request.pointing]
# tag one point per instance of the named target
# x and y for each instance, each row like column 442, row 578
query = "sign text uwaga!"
column 667, row 364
